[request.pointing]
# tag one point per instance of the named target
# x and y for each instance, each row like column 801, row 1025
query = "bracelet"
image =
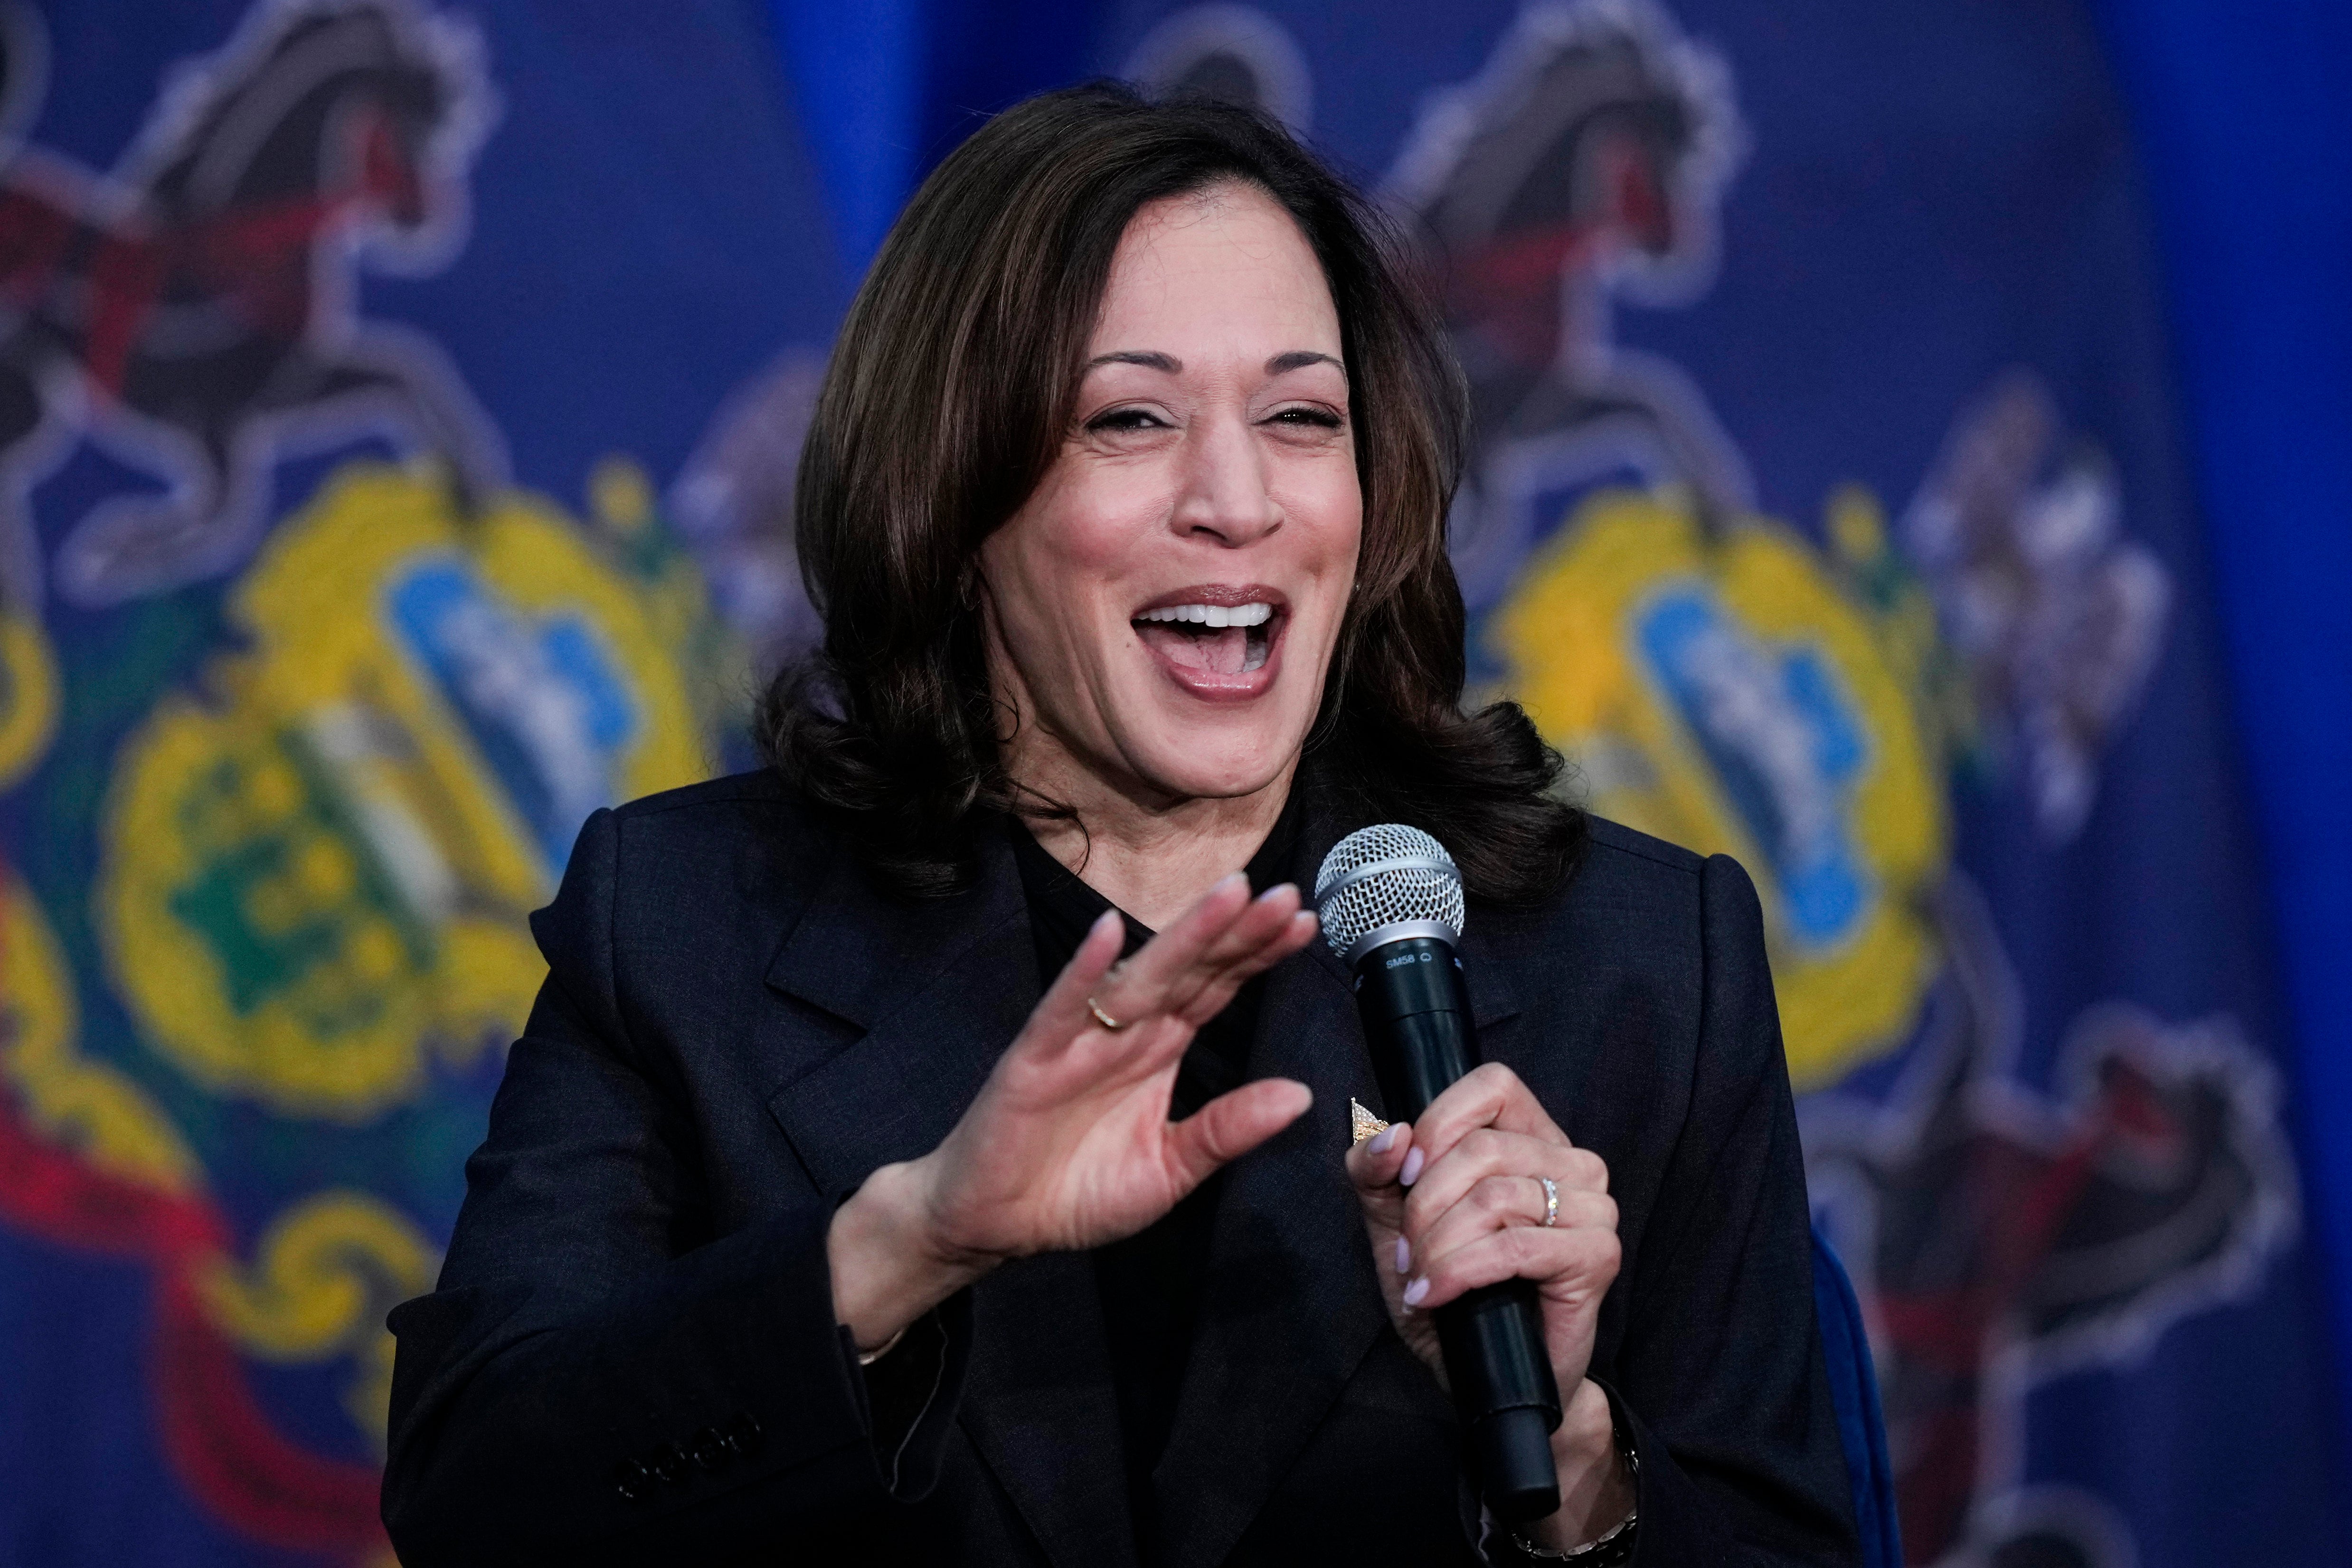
column 867, row 1358
column 1616, row 1545
column 1599, row 1549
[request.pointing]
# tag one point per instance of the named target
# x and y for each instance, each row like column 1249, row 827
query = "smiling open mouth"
column 1216, row 639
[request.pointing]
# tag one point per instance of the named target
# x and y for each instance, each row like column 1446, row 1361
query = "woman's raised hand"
column 1068, row 1144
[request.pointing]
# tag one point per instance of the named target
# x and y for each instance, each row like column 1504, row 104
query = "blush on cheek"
column 1219, row 650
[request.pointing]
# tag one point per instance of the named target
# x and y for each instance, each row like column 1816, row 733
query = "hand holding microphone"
column 1495, row 1236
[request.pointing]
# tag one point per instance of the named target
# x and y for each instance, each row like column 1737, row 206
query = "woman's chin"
column 1220, row 762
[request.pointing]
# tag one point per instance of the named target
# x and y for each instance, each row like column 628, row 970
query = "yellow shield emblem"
column 1718, row 688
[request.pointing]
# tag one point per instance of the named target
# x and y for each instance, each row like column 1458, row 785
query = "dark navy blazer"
column 632, row 1354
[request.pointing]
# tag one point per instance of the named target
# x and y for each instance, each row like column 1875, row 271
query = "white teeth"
column 1212, row 614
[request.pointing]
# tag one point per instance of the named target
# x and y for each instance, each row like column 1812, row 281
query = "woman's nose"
column 1223, row 496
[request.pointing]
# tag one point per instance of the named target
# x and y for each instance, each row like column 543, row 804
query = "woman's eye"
column 1127, row 419
column 1313, row 418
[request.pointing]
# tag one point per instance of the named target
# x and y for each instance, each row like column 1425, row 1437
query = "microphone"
column 1389, row 899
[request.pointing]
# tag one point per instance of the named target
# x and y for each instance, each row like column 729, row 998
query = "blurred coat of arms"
column 259, row 957
column 1807, row 702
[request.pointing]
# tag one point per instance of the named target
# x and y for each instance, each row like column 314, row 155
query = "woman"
column 814, row 1224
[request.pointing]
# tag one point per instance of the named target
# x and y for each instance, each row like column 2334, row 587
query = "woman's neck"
column 1152, row 857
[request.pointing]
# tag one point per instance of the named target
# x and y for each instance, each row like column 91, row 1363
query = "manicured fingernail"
column 1230, row 877
column 1412, row 1171
column 1414, row 1292
column 1385, row 1138
column 1405, row 1256
column 1108, row 917
column 1277, row 888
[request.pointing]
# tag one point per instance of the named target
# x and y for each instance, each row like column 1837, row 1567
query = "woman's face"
column 1164, row 607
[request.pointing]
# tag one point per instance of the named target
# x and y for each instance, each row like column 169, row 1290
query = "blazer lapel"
column 1040, row 1406
column 1293, row 1302
column 938, row 988
column 941, row 988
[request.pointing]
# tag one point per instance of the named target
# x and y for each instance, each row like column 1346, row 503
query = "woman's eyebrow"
column 1146, row 358
column 1150, row 359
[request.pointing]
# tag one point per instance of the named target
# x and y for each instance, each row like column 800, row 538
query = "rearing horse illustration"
column 1584, row 164
column 196, row 312
column 2006, row 1234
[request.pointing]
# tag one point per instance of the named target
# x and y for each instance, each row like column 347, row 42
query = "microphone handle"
column 1417, row 1020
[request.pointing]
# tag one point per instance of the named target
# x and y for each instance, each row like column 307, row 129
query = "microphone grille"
column 1383, row 876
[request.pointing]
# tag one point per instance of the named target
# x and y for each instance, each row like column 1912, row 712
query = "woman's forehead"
column 1224, row 264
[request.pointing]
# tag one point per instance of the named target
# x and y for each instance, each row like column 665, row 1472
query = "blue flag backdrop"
column 397, row 416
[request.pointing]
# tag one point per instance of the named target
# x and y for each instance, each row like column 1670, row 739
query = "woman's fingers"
column 1259, row 927
column 1063, row 1012
column 1136, row 987
column 1486, row 1096
column 1180, row 980
column 1499, row 1203
column 1374, row 1163
column 1130, row 992
column 1232, row 1125
column 1199, row 985
column 1212, row 988
column 1100, row 1059
column 1443, row 1181
column 1193, row 967
column 1188, row 939
column 1373, row 1166
column 1579, row 1262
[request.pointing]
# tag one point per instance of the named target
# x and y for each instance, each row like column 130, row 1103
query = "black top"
column 1150, row 1283
column 632, row 1356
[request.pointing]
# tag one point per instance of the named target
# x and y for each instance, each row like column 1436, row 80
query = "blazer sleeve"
column 1720, row 1377
column 594, row 1373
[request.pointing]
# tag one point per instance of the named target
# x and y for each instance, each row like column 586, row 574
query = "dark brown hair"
column 950, row 390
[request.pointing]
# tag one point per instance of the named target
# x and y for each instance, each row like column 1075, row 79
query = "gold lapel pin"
column 1362, row 1122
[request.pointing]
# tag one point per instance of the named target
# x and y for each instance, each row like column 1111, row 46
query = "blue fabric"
column 1862, row 1427
column 856, row 68
column 2247, row 133
column 2109, row 977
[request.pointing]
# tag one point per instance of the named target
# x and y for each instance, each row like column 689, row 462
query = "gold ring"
column 1551, row 1201
column 1105, row 1019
